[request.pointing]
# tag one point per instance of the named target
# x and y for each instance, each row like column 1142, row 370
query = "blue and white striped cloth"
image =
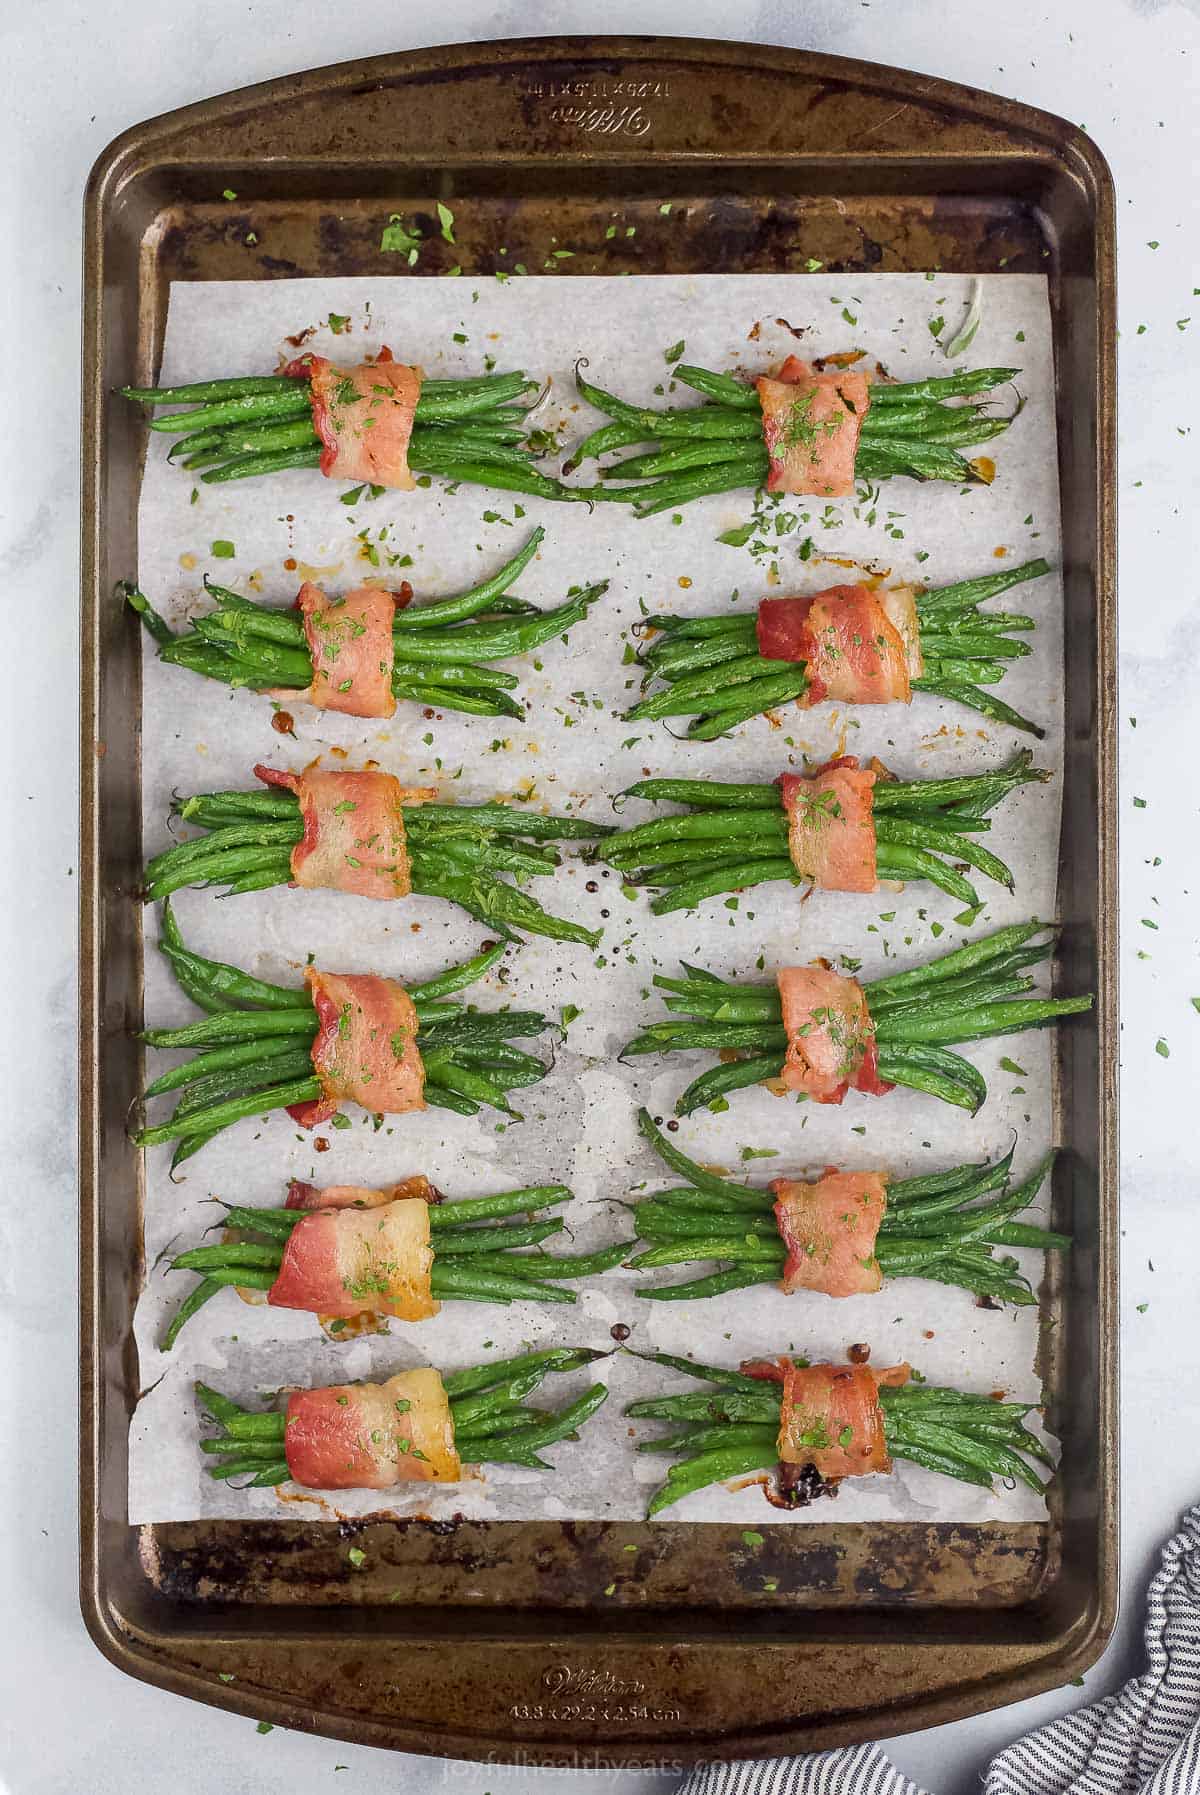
column 1145, row 1740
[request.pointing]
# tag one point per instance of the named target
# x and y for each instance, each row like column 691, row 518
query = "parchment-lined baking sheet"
column 572, row 753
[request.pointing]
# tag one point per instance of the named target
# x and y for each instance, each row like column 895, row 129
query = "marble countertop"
column 77, row 75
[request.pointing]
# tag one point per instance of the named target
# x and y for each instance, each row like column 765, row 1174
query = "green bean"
column 481, row 1377
column 204, row 391
column 126, row 592
column 276, row 1068
column 751, row 695
column 251, row 833
column 514, row 1202
column 906, row 420
column 266, row 1451
column 496, row 641
column 721, row 387
column 703, row 1180
column 984, row 702
column 219, row 1407
column 735, row 1077
column 537, row 1267
column 460, row 1242
column 255, row 439
column 936, row 1073
column 231, row 1256
column 763, row 695
column 929, row 836
column 215, row 869
column 985, row 1021
column 278, row 1222
column 709, row 793
column 235, row 1109
column 231, row 981
column 966, row 594
column 720, row 1283
column 470, row 603
column 706, row 451
column 233, row 1026
column 689, row 628
column 206, row 1288
column 893, row 861
column 456, row 977
column 973, row 956
column 710, row 1467
column 767, row 1255
column 570, row 1418
column 282, row 403
column 676, row 490
column 467, row 1281
column 960, row 385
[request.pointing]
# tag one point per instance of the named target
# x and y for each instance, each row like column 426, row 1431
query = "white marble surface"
column 75, row 74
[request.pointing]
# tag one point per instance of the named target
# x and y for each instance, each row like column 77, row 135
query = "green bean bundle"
column 716, row 673
column 253, row 1050
column 733, row 837
column 686, row 452
column 471, row 431
column 441, row 649
column 927, row 1230
column 480, row 1253
column 458, row 852
column 476, row 1416
column 733, row 1429
column 892, row 1031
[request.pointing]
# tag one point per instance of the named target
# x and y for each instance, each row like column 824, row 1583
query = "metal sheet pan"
column 506, row 1646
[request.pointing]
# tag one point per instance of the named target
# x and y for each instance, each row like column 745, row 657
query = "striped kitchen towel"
column 1145, row 1740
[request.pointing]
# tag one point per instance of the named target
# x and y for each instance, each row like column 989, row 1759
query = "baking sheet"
column 572, row 753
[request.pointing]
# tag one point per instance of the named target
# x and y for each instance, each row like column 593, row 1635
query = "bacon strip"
column 829, row 1228
column 830, row 1415
column 365, row 1049
column 354, row 838
column 352, row 652
column 811, row 426
column 355, row 1196
column 831, row 825
column 363, row 416
column 853, row 651
column 372, row 1436
column 344, row 1261
column 831, row 1038
column 899, row 606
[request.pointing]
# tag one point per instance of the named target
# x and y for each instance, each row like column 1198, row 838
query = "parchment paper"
column 572, row 753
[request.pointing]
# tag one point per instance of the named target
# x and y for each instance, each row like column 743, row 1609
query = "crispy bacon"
column 352, row 652
column 811, row 426
column 829, row 1228
column 346, row 1260
column 363, row 416
column 852, row 649
column 365, row 1049
column 831, row 826
column 899, row 606
column 355, row 1196
column 831, row 1038
column 354, row 838
column 830, row 1415
column 372, row 1436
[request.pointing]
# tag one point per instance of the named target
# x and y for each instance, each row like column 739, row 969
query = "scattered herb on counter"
column 398, row 239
